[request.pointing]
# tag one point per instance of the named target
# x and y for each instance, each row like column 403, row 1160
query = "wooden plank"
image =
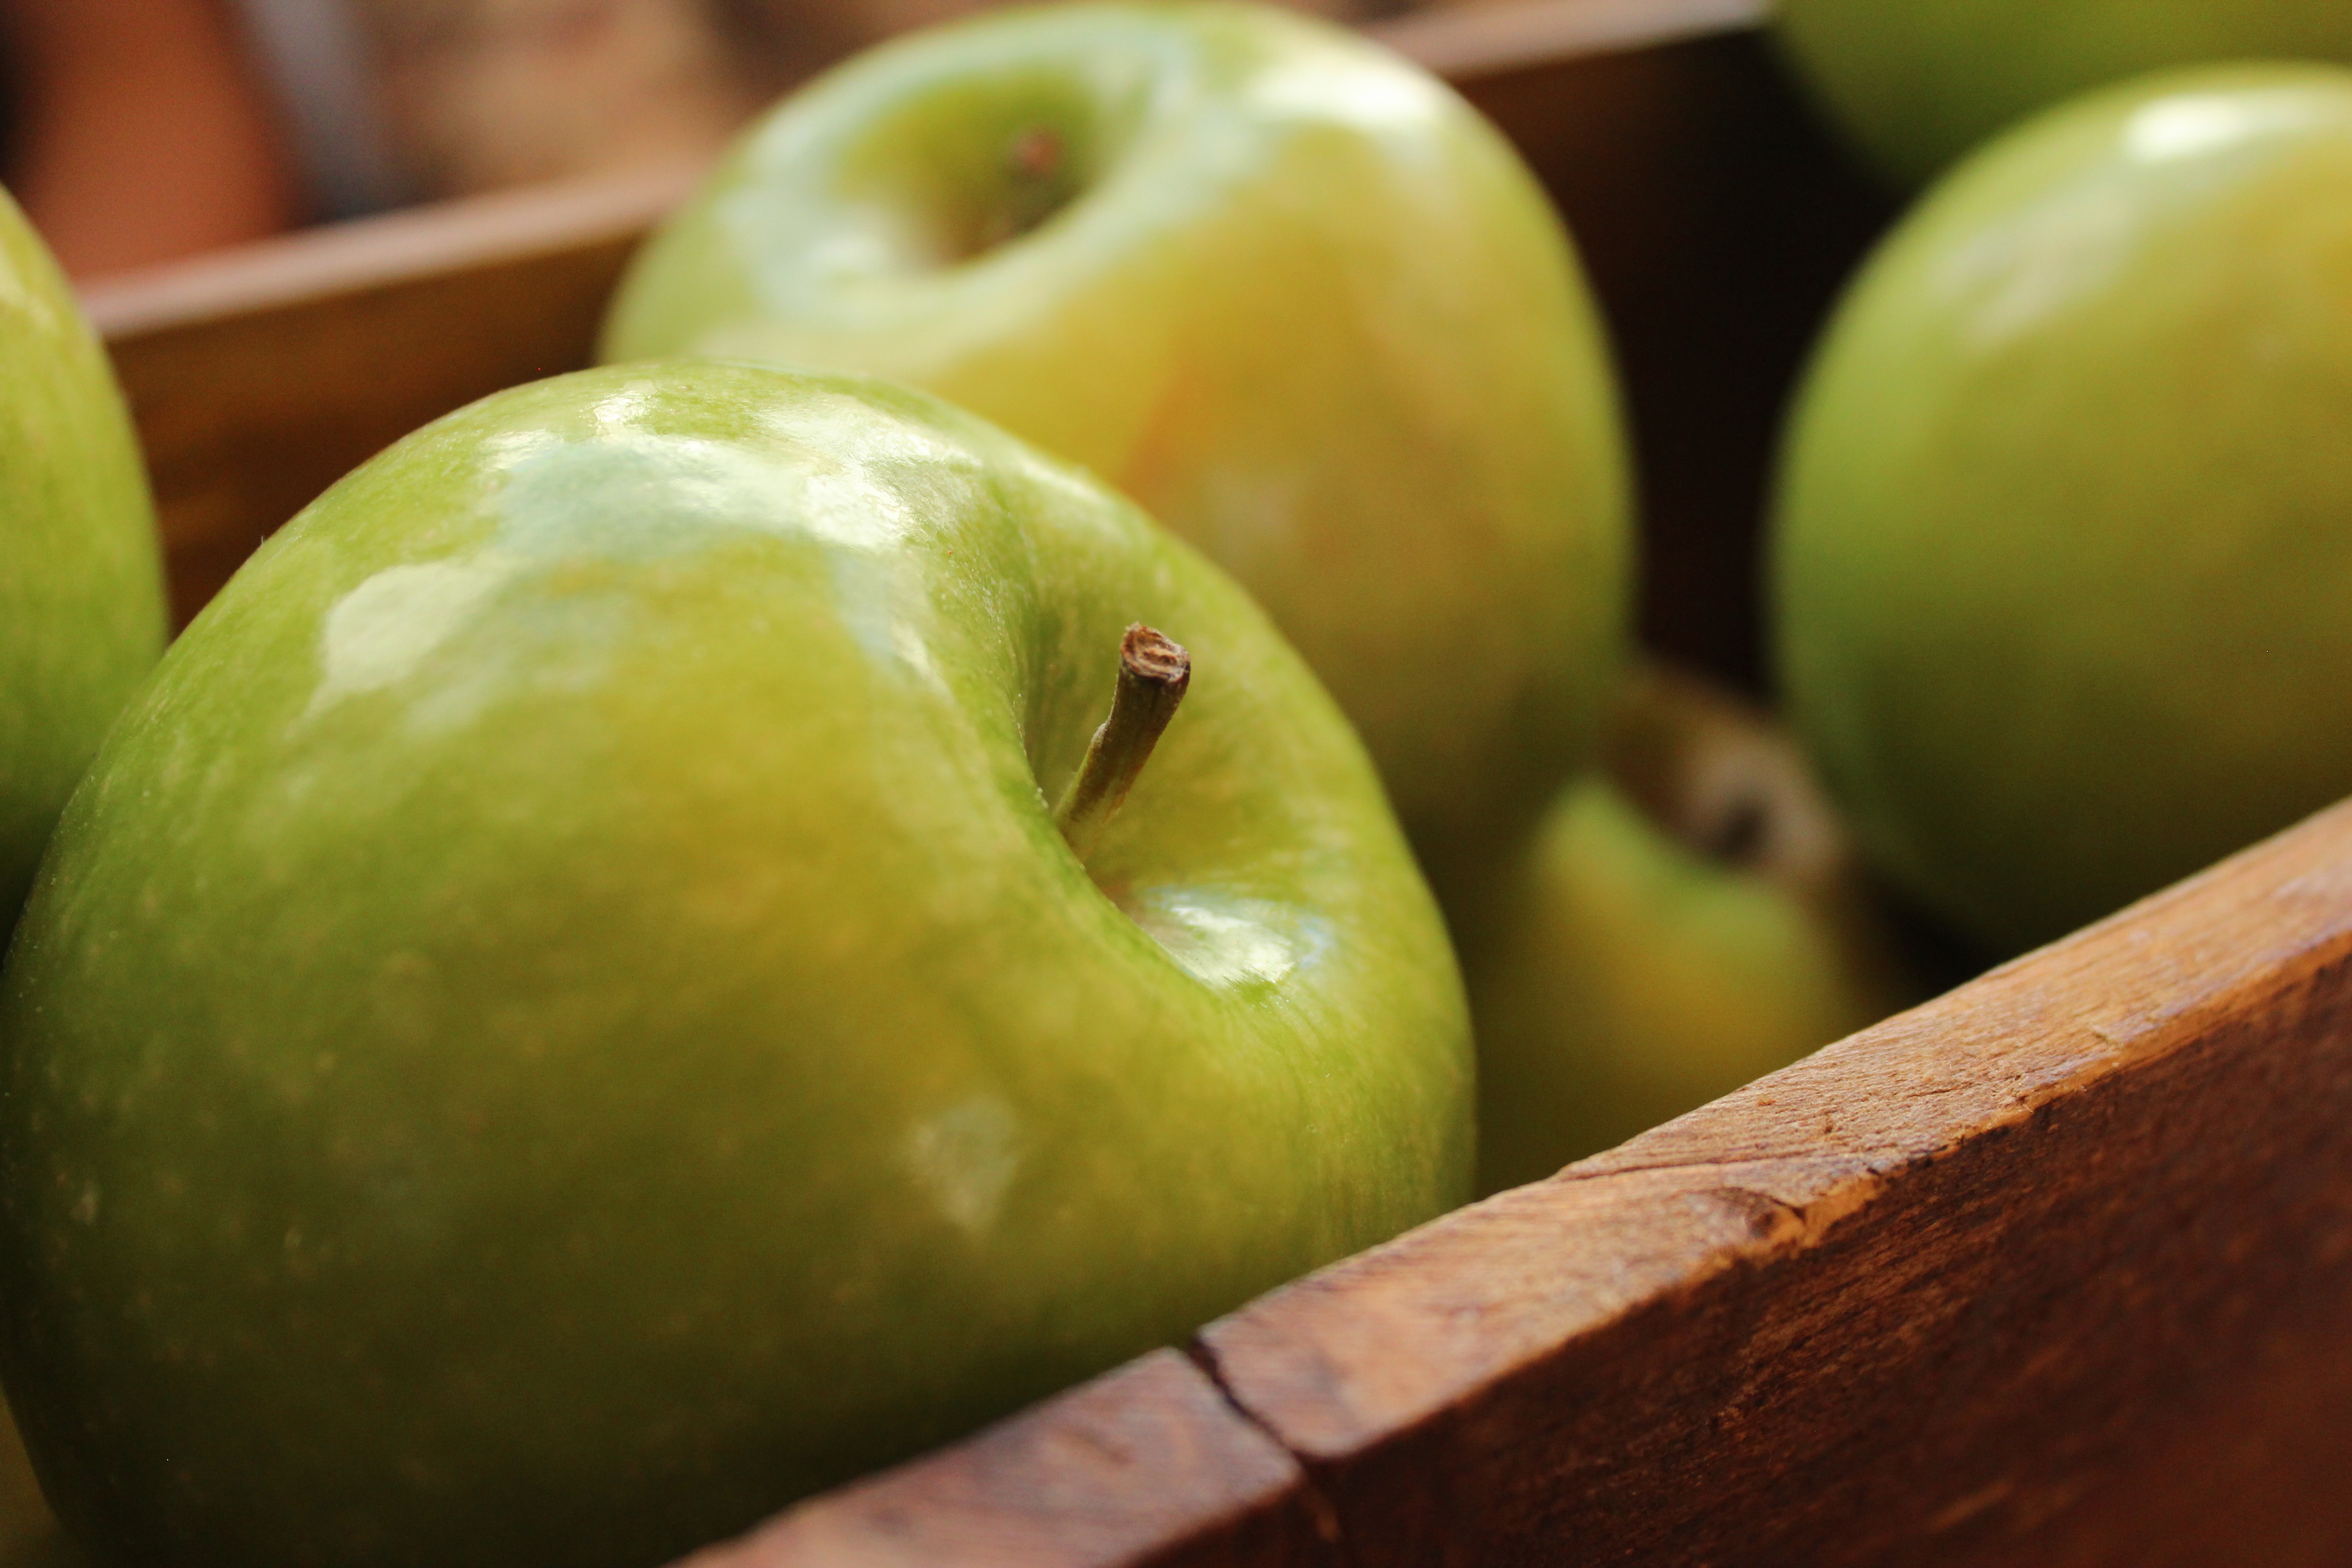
column 1468, row 43
column 1146, row 1465
column 2056, row 1269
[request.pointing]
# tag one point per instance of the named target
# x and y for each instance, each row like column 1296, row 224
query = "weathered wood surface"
column 1145, row 1464
column 1713, row 223
column 2054, row 1270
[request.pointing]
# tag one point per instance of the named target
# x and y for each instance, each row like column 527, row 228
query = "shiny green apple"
column 1278, row 285
column 562, row 1019
column 1917, row 83
column 2063, row 542
column 1686, row 921
column 81, row 582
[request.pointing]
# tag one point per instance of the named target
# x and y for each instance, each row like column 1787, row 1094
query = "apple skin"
column 29, row 1536
column 1283, row 288
column 561, row 1021
column 2064, row 535
column 1917, row 84
column 81, row 580
column 1686, row 921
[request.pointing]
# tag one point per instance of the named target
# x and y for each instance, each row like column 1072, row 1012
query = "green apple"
column 81, row 582
column 1686, row 921
column 1917, row 83
column 562, row 1019
column 2064, row 528
column 1278, row 285
column 29, row 1536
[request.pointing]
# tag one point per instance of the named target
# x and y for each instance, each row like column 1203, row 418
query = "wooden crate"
column 2056, row 1269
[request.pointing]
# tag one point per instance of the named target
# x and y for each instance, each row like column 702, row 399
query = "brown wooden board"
column 1145, row 1464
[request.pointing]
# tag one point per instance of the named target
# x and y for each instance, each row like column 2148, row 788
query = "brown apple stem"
column 1036, row 154
column 1036, row 188
column 1154, row 674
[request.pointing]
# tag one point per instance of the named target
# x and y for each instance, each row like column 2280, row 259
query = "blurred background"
column 137, row 131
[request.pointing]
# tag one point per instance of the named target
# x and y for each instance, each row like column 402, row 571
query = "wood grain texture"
column 1146, row 1466
column 2055, row 1270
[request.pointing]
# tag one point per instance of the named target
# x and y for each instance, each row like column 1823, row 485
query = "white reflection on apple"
column 381, row 631
column 1372, row 100
column 2208, row 122
column 964, row 1157
column 618, row 496
column 2024, row 272
column 1228, row 939
column 2068, row 246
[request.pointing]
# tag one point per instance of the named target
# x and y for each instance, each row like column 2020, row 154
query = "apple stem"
column 1154, row 674
column 1036, row 154
column 1033, row 162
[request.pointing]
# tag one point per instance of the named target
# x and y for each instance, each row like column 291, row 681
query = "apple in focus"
column 81, row 580
column 563, row 1019
column 1278, row 284
column 1917, row 83
column 2063, row 548
column 1687, row 921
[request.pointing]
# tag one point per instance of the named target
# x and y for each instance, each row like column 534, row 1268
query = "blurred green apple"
column 1278, row 285
column 2064, row 547
column 1917, row 83
column 562, row 1019
column 29, row 1536
column 82, row 583
column 1684, row 922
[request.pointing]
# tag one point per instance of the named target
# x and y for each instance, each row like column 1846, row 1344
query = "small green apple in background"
column 29, row 1536
column 1276, row 283
column 562, row 1019
column 1917, row 83
column 2064, row 547
column 1684, row 922
column 82, row 583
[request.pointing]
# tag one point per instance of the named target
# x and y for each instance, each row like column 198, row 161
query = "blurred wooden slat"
column 1465, row 42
